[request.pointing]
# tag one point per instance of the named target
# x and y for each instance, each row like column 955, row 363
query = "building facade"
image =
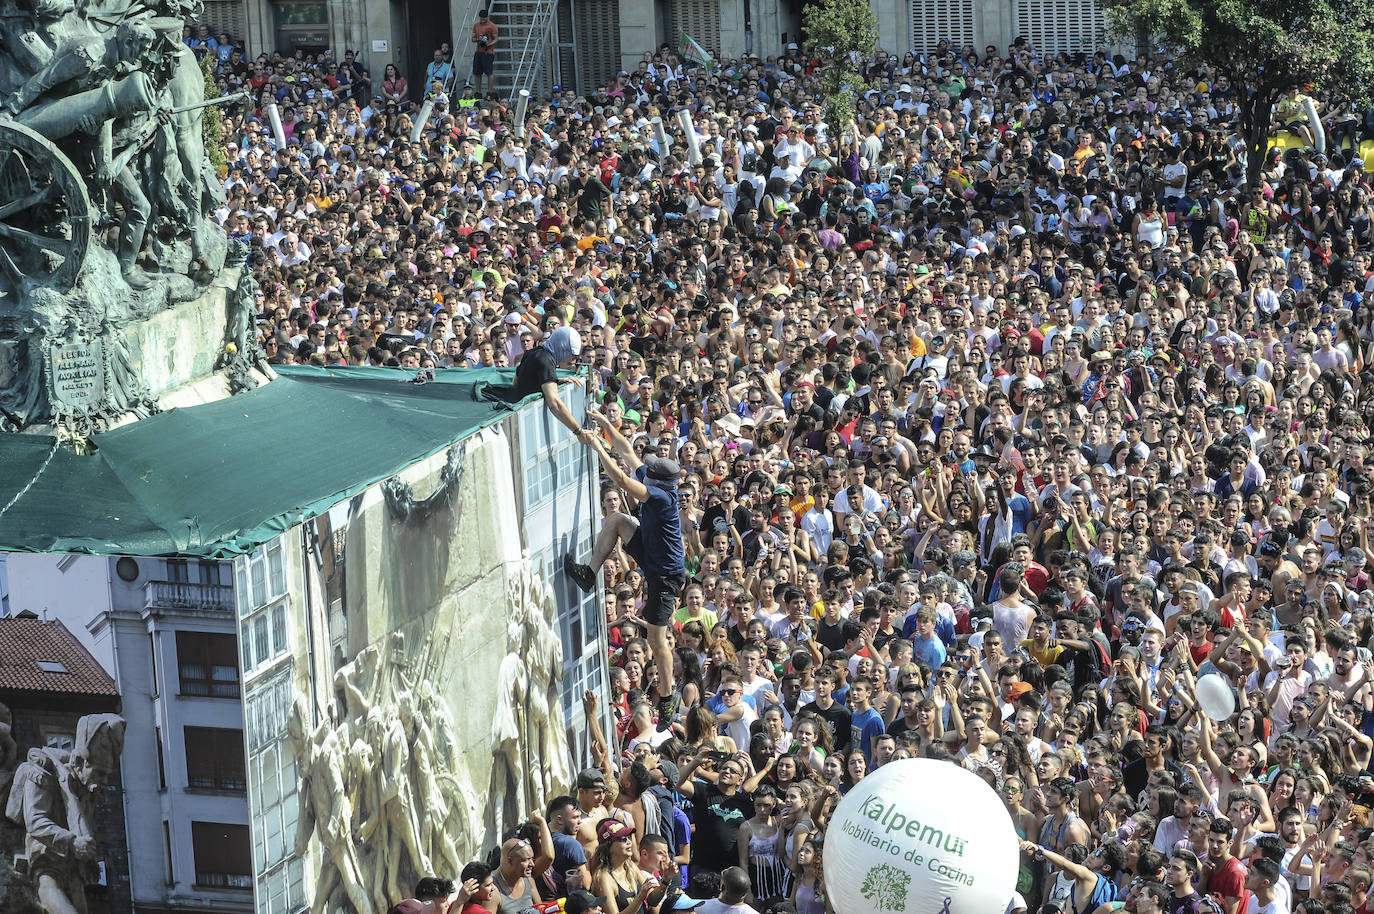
column 589, row 41
column 165, row 631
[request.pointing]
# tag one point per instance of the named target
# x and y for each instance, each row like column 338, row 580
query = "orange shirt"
column 487, row 30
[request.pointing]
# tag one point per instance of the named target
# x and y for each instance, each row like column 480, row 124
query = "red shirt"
column 1228, row 881
column 1200, row 653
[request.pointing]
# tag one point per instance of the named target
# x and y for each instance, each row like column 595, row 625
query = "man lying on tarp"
column 538, row 371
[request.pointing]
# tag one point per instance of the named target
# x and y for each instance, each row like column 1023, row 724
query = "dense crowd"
column 1004, row 416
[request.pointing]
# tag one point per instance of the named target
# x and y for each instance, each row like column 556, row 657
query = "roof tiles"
column 24, row 642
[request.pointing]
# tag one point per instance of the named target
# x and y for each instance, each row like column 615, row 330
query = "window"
column 51, row 666
column 549, row 454
column 208, row 665
column 178, row 571
column 261, row 582
column 161, row 763
column 261, row 577
column 57, row 739
column 211, row 574
column 263, row 637
column 214, row 759
column 223, row 856
column 1052, row 26
column 932, row 20
column 167, row 840
column 272, row 794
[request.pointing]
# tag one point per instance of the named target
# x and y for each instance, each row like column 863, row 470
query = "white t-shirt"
column 716, row 906
column 1278, row 906
column 738, row 730
column 1171, row 172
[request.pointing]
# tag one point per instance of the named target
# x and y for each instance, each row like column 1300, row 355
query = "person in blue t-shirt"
column 926, row 646
column 653, row 540
column 1017, row 504
column 865, row 723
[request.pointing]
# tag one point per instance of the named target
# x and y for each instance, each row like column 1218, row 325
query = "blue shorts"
column 483, row 62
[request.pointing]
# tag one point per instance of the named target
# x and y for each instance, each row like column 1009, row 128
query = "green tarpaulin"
column 223, row 478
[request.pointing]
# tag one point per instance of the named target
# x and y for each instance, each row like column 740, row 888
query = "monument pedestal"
column 180, row 352
column 91, row 371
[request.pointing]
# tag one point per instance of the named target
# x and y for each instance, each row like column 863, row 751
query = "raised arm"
column 631, row 486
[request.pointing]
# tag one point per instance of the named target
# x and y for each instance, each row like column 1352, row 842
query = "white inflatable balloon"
column 920, row 836
column 1215, row 697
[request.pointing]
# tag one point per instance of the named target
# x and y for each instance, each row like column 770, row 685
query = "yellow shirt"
column 708, row 618
column 1045, row 656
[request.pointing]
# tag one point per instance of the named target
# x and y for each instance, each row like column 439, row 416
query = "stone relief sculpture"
column 106, row 197
column 9, row 750
column 530, row 758
column 326, row 811
column 53, row 799
column 240, row 356
column 382, row 797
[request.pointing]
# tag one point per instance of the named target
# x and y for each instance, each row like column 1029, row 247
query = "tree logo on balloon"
column 886, row 886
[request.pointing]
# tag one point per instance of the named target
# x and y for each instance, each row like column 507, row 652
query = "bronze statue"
column 106, row 203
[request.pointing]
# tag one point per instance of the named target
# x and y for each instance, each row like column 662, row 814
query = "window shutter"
column 1070, row 26
column 931, row 20
column 698, row 18
column 598, row 42
column 226, row 16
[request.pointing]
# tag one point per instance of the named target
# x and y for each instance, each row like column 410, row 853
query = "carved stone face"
column 92, row 776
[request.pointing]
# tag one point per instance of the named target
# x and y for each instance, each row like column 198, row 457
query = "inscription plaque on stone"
column 76, row 377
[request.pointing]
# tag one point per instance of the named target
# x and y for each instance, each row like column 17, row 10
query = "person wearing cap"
column 654, row 541
column 583, row 902
column 538, row 371
column 616, row 879
column 590, row 788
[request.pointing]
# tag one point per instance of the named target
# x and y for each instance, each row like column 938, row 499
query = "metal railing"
column 188, row 595
column 529, row 62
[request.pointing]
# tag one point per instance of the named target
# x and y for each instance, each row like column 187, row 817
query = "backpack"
column 1208, row 904
column 658, row 815
column 1096, row 662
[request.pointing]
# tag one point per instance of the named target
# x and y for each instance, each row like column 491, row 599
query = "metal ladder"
column 526, row 28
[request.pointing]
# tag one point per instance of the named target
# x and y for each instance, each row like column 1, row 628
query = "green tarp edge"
column 221, row 479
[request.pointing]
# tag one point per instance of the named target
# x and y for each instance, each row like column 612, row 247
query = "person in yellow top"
column 693, row 609
column 1083, row 152
column 1045, row 650
column 1291, row 114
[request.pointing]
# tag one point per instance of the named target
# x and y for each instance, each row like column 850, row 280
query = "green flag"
column 689, row 49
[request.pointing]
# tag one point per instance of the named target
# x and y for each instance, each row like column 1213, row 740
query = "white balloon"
column 1215, row 697
column 920, row 836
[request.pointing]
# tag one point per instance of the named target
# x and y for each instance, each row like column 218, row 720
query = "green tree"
column 886, row 887
column 212, row 131
column 843, row 35
column 1265, row 48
